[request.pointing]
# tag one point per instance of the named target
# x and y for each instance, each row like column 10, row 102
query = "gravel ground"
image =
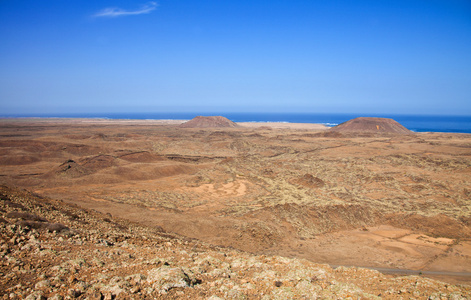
column 52, row 250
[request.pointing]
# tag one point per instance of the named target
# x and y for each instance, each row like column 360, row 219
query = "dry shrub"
column 465, row 220
column 25, row 216
column 58, row 227
column 71, row 215
column 14, row 205
column 121, row 226
column 51, row 227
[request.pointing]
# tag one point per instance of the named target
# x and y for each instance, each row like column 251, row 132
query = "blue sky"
column 403, row 56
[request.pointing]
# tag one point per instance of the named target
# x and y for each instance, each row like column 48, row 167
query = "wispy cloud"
column 112, row 12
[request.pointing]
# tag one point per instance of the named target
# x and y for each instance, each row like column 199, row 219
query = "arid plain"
column 381, row 200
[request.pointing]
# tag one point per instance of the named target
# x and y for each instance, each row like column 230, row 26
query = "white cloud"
column 112, row 12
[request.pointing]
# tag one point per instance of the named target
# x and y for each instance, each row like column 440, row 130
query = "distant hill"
column 367, row 124
column 208, row 122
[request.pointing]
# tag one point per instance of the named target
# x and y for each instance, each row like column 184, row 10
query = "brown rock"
column 95, row 295
column 74, row 293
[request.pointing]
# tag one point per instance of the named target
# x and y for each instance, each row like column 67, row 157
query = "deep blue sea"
column 417, row 123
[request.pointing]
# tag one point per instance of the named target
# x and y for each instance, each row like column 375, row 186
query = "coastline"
column 417, row 124
column 161, row 122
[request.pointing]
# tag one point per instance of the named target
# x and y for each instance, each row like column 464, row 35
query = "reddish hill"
column 364, row 124
column 207, row 122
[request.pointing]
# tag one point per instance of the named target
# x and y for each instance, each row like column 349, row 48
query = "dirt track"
column 384, row 201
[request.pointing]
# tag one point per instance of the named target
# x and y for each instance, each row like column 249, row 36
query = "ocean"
column 416, row 123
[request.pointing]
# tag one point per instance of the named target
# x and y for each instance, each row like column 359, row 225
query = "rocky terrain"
column 52, row 250
column 399, row 203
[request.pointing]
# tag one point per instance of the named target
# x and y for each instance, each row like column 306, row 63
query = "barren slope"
column 51, row 250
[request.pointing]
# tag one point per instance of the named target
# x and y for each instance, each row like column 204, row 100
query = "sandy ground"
column 269, row 188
